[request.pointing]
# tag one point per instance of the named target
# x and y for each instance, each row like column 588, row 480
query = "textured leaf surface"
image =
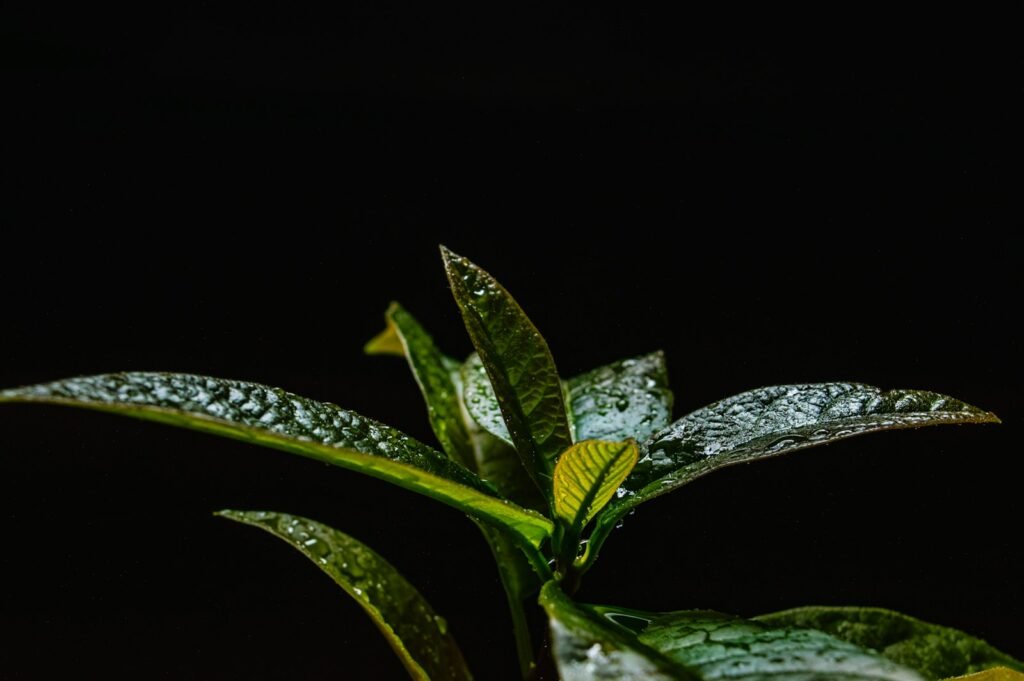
column 586, row 647
column 936, row 652
column 433, row 375
column 481, row 403
column 627, row 399
column 726, row 647
column 418, row 635
column 587, row 476
column 519, row 364
column 275, row 418
column 770, row 422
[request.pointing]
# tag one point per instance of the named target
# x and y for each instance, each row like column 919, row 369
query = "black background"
column 242, row 194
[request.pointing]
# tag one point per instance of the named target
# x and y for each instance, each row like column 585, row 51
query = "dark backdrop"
column 241, row 195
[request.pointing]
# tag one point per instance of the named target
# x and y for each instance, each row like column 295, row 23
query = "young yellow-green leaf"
column 936, row 652
column 725, row 647
column 770, row 422
column 275, row 418
column 519, row 364
column 434, row 377
column 587, row 647
column 994, row 674
column 587, row 476
column 387, row 342
column 626, row 399
column 417, row 634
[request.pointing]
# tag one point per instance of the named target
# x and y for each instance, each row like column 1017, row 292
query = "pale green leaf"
column 587, row 476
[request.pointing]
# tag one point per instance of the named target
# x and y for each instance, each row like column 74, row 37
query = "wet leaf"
column 275, row 418
column 626, row 399
column 417, row 634
column 586, row 647
column 721, row 646
column 519, row 365
column 936, row 652
column 587, row 476
column 994, row 674
column 770, row 422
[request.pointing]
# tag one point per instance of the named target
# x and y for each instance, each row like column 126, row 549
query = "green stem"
column 521, row 629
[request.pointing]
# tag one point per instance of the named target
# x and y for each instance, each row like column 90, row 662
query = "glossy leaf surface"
column 587, row 647
column 726, row 647
column 481, row 402
column 626, row 399
column 936, row 652
column 275, row 418
column 773, row 421
column 519, row 364
column 587, row 476
column 417, row 634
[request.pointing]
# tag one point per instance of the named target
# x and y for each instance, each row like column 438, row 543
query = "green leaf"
column 994, row 674
column 770, row 422
column 438, row 378
column 481, row 402
column 587, row 475
column 275, row 418
column 519, row 364
column 432, row 374
column 627, row 399
column 587, row 647
column 417, row 634
column 726, row 647
column 936, row 652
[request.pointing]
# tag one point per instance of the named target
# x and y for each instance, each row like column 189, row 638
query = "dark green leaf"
column 726, row 647
column 418, row 635
column 519, row 364
column 770, row 422
column 936, row 652
column 587, row 647
column 627, row 399
column 275, row 418
column 432, row 374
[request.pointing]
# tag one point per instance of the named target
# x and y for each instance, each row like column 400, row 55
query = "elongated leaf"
column 439, row 381
column 519, row 364
column 275, row 418
column 770, row 422
column 587, row 476
column 417, row 634
column 586, row 647
column 627, row 399
column 936, row 652
column 434, row 376
column 726, row 647
column 994, row 674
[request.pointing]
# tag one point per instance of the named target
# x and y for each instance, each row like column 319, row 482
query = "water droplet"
column 622, row 404
column 442, row 624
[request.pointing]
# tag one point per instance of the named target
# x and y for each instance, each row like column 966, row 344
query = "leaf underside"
column 275, row 418
column 417, row 634
column 587, row 476
column 994, row 674
column 935, row 651
column 518, row 363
